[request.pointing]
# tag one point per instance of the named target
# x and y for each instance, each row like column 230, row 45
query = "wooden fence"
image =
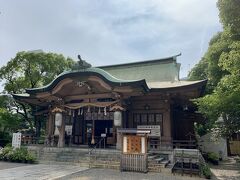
column 234, row 147
column 134, row 162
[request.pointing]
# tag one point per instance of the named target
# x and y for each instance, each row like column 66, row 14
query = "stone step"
column 160, row 169
column 162, row 164
column 105, row 162
column 109, row 166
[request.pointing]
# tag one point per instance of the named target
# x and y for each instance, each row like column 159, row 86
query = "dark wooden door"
column 78, row 129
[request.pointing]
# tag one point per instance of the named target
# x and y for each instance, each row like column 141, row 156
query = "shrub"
column 213, row 158
column 6, row 153
column 17, row 155
column 205, row 171
column 31, row 158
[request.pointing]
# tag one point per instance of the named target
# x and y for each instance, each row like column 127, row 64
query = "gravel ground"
column 227, row 170
column 109, row 174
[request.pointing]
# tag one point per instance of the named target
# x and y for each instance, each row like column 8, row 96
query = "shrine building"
column 86, row 105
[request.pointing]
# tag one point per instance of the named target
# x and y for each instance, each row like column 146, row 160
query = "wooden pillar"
column 167, row 130
column 119, row 141
column 93, row 132
column 61, row 139
column 49, row 129
column 46, row 142
column 119, row 135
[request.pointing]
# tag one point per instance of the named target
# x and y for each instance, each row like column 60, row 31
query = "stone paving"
column 18, row 171
column 38, row 172
column 110, row 174
column 7, row 165
column 226, row 170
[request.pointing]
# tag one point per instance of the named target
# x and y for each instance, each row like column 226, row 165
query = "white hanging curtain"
column 94, row 104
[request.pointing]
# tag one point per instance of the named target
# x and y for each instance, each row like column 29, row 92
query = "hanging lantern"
column 117, row 117
column 56, row 131
column 73, row 113
column 105, row 111
column 58, row 119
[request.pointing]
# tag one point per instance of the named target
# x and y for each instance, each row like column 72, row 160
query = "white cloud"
column 107, row 31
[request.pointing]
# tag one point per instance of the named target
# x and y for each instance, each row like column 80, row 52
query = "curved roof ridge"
column 88, row 71
column 143, row 62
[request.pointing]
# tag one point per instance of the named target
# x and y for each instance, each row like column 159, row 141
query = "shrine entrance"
column 89, row 127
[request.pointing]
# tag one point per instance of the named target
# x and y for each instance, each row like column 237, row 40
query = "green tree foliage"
column 9, row 121
column 221, row 65
column 230, row 16
column 208, row 66
column 31, row 70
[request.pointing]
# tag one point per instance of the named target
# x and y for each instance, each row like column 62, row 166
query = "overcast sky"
column 109, row 32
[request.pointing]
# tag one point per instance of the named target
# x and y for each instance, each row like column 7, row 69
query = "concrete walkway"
column 226, row 170
column 7, row 165
column 38, row 171
column 110, row 174
column 18, row 171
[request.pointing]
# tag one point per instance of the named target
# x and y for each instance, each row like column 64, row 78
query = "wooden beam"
column 123, row 89
column 90, row 96
column 59, row 86
column 43, row 95
column 101, row 82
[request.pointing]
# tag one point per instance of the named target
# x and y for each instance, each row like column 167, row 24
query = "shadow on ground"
column 227, row 170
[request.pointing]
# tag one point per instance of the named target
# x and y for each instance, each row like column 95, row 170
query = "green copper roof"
column 160, row 60
column 158, row 70
column 88, row 72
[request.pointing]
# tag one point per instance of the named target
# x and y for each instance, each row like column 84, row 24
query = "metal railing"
column 93, row 150
column 157, row 144
column 187, row 161
column 95, row 146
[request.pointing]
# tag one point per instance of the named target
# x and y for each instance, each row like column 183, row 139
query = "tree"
column 208, row 66
column 31, row 70
column 221, row 65
column 229, row 13
column 9, row 121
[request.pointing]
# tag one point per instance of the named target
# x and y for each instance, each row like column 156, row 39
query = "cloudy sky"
column 109, row 31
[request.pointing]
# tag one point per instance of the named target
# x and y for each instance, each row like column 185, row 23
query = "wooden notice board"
column 133, row 144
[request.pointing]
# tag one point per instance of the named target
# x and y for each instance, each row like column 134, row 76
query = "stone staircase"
column 99, row 158
column 159, row 163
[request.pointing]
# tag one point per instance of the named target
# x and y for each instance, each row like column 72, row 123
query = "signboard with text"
column 155, row 130
column 16, row 140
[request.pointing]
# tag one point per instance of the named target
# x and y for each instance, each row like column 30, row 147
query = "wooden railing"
column 28, row 139
column 134, row 162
